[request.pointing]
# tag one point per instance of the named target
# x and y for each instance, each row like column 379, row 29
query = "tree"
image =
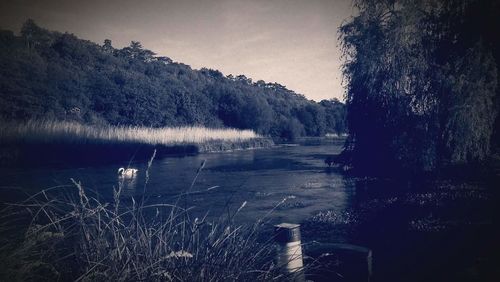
column 106, row 47
column 335, row 116
column 256, row 114
column 35, row 35
column 469, row 114
column 59, row 76
column 313, row 119
column 420, row 86
column 136, row 51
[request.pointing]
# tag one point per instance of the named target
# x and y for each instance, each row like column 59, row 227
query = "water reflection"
column 396, row 219
column 128, row 184
column 262, row 178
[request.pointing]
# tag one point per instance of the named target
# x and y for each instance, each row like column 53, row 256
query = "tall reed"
column 71, row 234
column 60, row 131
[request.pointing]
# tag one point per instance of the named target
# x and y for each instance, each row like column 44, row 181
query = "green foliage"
column 421, row 83
column 313, row 119
column 49, row 75
column 335, row 116
column 469, row 121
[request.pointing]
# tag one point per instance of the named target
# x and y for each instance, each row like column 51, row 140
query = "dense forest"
column 422, row 84
column 57, row 76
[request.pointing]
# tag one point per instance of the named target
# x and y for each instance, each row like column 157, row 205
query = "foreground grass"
column 70, row 234
column 71, row 132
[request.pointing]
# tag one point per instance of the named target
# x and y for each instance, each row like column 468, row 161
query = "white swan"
column 129, row 172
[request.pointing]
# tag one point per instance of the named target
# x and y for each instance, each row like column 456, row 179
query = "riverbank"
column 70, row 233
column 409, row 225
column 427, row 230
column 65, row 143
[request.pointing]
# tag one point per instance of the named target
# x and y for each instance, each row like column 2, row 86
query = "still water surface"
column 262, row 178
column 418, row 231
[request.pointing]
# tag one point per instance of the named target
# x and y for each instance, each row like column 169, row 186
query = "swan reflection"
column 127, row 179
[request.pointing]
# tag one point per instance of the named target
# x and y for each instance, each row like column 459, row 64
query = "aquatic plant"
column 69, row 233
column 72, row 132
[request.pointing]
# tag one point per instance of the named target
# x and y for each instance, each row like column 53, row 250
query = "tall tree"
column 420, row 88
column 59, row 76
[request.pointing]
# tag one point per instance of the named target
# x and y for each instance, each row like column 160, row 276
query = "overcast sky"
column 292, row 42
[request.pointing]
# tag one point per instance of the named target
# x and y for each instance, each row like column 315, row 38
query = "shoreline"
column 32, row 154
column 60, row 143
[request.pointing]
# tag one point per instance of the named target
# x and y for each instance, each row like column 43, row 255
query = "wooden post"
column 369, row 261
column 289, row 250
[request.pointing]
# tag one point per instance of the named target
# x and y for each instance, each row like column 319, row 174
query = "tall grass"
column 71, row 234
column 60, row 131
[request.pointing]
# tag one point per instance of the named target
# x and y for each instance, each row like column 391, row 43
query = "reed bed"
column 70, row 233
column 72, row 132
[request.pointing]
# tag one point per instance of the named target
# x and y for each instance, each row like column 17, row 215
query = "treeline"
column 52, row 75
column 422, row 84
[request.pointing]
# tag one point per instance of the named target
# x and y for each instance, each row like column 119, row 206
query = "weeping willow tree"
column 421, row 82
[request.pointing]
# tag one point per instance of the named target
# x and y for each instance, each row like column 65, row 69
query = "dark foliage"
column 50, row 75
column 422, row 83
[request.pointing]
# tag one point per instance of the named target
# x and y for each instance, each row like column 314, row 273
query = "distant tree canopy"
column 422, row 81
column 52, row 75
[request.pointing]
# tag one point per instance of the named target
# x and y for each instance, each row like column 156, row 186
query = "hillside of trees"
column 57, row 76
column 423, row 84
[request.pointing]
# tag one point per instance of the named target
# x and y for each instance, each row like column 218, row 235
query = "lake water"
column 261, row 177
column 431, row 231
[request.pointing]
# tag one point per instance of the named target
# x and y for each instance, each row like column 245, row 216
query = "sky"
column 292, row 42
